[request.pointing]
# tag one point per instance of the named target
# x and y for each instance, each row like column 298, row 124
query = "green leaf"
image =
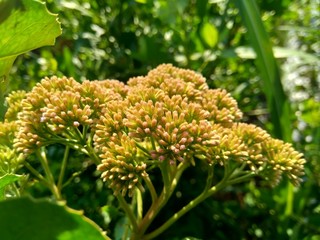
column 28, row 27
column 28, row 219
column 277, row 101
column 24, row 25
column 311, row 112
column 209, row 34
column 5, row 181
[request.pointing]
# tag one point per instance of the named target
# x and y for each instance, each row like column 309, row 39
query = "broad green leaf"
column 24, row 25
column 28, row 27
column 27, row 219
column 5, row 181
column 209, row 34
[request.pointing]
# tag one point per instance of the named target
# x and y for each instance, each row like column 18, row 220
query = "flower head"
column 14, row 105
column 169, row 116
column 57, row 108
column 282, row 160
column 10, row 159
column 121, row 165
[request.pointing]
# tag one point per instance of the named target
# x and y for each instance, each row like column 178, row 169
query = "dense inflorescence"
column 168, row 116
column 10, row 159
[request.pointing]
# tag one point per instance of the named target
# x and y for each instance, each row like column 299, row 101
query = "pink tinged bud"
column 139, row 130
column 180, row 159
column 76, row 124
column 162, row 158
column 182, row 147
column 183, row 141
column 166, row 136
column 147, row 130
column 144, row 124
column 162, row 142
column 153, row 155
column 42, row 119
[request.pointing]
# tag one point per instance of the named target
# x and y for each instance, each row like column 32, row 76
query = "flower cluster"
column 57, row 109
column 10, row 159
column 168, row 116
column 122, row 165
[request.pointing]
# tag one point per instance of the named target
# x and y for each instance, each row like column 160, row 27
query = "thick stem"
column 207, row 192
column 151, row 188
column 158, row 204
column 88, row 150
column 125, row 206
column 139, row 202
column 41, row 178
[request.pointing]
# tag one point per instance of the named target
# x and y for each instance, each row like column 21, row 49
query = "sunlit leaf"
column 209, row 34
column 28, row 219
column 5, row 181
column 24, row 25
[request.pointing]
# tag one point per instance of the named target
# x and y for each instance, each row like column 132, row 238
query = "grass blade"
column 277, row 101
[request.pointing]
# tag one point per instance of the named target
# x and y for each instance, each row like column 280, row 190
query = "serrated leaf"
column 28, row 219
column 30, row 25
column 5, row 181
column 209, row 34
column 24, row 25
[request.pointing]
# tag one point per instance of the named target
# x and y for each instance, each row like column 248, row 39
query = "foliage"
column 154, row 128
column 121, row 39
column 24, row 26
column 64, row 223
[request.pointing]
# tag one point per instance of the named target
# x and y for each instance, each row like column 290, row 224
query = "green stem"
column 153, row 143
column 207, row 192
column 88, row 150
column 151, row 188
column 44, row 162
column 139, row 203
column 158, row 204
column 290, row 199
column 63, row 167
column 36, row 174
column 142, row 148
column 241, row 178
column 124, row 205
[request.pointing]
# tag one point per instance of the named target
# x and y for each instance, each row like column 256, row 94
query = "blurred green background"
column 118, row 39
